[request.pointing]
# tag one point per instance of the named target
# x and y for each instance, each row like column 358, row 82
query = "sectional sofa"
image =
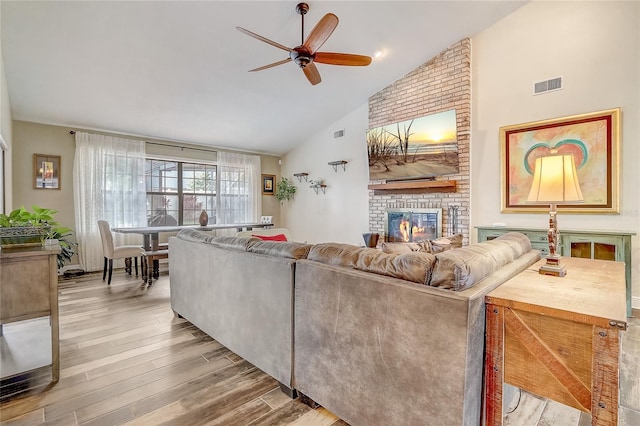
column 376, row 338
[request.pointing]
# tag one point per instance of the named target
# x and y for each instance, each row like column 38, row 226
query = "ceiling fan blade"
column 332, row 58
column 321, row 32
column 275, row 64
column 266, row 40
column 311, row 71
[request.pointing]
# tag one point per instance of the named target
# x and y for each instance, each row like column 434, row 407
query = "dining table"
column 151, row 239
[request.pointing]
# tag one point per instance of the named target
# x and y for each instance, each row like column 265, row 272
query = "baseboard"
column 66, row 268
column 635, row 302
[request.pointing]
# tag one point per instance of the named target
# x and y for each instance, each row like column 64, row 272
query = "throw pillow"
column 400, row 247
column 454, row 241
column 278, row 237
column 426, row 246
column 288, row 250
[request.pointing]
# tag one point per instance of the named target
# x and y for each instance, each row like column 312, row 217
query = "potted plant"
column 22, row 228
column 285, row 190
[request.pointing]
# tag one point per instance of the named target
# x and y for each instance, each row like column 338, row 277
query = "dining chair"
column 111, row 252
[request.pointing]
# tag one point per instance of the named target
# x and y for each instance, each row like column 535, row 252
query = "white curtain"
column 108, row 178
column 4, row 148
column 240, row 195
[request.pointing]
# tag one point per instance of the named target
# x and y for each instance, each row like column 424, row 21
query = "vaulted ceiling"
column 177, row 70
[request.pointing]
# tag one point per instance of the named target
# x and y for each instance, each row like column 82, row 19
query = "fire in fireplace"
column 409, row 225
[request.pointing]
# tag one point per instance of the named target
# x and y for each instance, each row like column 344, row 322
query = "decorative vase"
column 371, row 239
column 204, row 218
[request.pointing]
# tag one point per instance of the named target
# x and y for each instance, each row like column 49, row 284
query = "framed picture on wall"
column 592, row 139
column 268, row 184
column 46, row 171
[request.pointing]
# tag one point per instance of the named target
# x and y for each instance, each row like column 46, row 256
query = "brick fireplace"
column 440, row 84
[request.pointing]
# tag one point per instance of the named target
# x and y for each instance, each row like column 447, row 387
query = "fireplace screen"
column 408, row 225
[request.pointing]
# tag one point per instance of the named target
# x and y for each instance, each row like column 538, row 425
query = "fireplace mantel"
column 414, row 187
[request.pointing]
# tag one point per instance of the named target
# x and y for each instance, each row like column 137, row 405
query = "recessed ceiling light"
column 378, row 54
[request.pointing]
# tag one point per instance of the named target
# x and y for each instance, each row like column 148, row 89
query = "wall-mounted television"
column 423, row 147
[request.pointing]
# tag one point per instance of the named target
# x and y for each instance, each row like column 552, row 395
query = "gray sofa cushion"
column 463, row 267
column 336, row 254
column 290, row 250
column 233, row 243
column 194, row 235
column 520, row 243
column 414, row 267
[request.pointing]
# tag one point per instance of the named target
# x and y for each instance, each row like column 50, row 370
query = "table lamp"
column 555, row 181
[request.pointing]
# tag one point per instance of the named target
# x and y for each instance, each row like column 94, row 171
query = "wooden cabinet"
column 538, row 237
column 604, row 245
column 29, row 289
column 595, row 247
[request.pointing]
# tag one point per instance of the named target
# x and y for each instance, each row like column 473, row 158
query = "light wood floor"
column 125, row 359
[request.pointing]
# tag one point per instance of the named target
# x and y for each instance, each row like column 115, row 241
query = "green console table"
column 606, row 245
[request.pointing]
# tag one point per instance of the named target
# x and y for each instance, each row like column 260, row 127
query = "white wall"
column 595, row 47
column 6, row 136
column 342, row 214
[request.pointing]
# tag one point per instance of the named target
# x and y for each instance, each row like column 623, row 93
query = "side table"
column 558, row 337
column 29, row 289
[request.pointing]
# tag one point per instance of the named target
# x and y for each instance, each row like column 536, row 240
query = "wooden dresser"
column 29, row 289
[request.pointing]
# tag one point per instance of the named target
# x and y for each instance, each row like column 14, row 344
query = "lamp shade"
column 555, row 181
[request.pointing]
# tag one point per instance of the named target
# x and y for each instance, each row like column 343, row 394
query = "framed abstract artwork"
column 46, row 171
column 592, row 139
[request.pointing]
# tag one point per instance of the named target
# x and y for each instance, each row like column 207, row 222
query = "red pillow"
column 278, row 237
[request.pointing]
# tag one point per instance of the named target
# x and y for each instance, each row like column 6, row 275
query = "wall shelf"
column 335, row 165
column 414, row 187
column 301, row 176
column 319, row 187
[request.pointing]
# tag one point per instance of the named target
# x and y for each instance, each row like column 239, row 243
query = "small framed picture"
column 46, row 171
column 268, row 184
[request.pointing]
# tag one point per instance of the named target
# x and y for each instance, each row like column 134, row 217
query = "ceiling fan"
column 307, row 53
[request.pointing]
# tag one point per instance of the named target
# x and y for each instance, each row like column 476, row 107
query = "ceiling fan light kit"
column 307, row 53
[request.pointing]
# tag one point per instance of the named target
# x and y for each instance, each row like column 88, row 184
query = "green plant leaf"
column 285, row 190
column 43, row 218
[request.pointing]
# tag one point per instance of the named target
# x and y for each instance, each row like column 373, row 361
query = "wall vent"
column 547, row 85
column 338, row 134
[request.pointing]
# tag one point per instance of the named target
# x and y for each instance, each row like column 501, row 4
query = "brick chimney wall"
column 441, row 84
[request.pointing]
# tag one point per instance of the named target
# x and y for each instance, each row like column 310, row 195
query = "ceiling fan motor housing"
column 300, row 56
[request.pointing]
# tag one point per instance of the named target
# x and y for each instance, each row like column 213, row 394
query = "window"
column 177, row 192
column 234, row 196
